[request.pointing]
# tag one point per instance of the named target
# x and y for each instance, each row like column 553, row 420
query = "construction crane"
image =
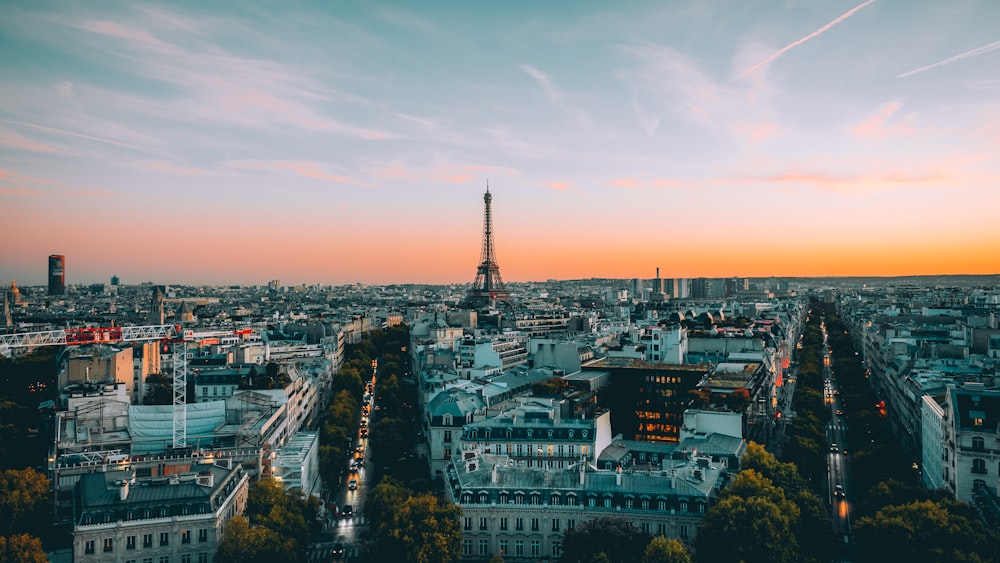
column 173, row 335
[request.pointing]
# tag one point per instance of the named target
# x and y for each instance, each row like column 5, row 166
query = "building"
column 121, row 517
column 296, row 464
column 534, row 435
column 523, row 513
column 648, row 400
column 57, row 274
column 972, row 432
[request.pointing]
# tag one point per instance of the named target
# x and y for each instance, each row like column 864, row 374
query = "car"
column 839, row 412
column 347, row 511
column 838, row 491
column 337, row 550
column 834, row 448
column 352, row 485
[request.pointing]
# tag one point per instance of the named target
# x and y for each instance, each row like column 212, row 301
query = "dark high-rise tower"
column 488, row 289
column 57, row 274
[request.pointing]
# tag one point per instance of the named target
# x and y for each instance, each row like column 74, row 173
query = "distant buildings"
column 57, row 274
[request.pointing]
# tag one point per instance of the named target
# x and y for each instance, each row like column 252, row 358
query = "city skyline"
column 339, row 143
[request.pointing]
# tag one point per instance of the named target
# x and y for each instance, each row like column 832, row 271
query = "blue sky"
column 335, row 142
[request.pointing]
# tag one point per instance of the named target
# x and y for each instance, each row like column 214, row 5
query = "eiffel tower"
column 488, row 289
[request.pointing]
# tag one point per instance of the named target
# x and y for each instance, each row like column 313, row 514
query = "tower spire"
column 488, row 288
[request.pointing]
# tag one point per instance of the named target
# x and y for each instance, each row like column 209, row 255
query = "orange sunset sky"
column 333, row 143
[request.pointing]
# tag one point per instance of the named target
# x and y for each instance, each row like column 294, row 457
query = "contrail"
column 794, row 44
column 70, row 133
column 965, row 55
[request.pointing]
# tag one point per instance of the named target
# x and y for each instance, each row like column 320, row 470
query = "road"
column 349, row 528
column 838, row 472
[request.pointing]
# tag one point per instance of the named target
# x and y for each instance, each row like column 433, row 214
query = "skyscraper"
column 57, row 274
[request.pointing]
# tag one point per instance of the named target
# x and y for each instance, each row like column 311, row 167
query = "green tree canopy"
column 22, row 548
column 751, row 530
column 241, row 543
column 24, row 497
column 428, row 531
column 617, row 539
column 662, row 550
column 923, row 531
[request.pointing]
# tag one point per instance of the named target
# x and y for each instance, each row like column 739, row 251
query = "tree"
column 764, row 532
column 427, row 531
column 159, row 390
column 923, row 531
column 22, row 548
column 617, row 539
column 662, row 550
column 241, row 543
column 24, row 495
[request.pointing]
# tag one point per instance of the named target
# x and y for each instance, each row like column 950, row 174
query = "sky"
column 335, row 142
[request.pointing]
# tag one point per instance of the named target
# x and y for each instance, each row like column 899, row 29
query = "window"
column 109, row 545
column 203, row 535
column 466, row 547
column 483, row 523
column 683, row 531
column 204, row 391
column 978, row 443
column 447, row 436
column 518, row 548
column 534, row 524
column 519, row 523
column 202, row 558
column 484, row 547
column 164, row 538
column 130, row 542
column 979, row 466
column 468, row 523
column 555, row 525
column 503, row 547
column 536, row 548
column 684, row 506
column 447, row 452
column 186, row 558
column 644, row 526
column 661, row 505
column 644, row 504
column 147, row 540
column 446, row 420
column 185, row 536
column 556, row 550
column 164, row 559
column 607, row 502
column 503, row 522
column 592, row 502
column 88, row 548
column 570, row 524
column 629, row 503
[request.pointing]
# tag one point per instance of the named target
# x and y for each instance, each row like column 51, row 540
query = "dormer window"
column 446, row 420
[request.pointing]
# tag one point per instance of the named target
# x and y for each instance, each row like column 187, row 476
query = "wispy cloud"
column 447, row 173
column 162, row 166
column 851, row 183
column 971, row 53
column 70, row 133
column 13, row 139
column 877, row 125
column 312, row 170
column 554, row 95
column 558, row 186
column 634, row 183
column 14, row 184
column 798, row 42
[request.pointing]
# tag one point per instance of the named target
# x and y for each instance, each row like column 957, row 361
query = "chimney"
column 618, row 476
column 123, row 490
column 583, row 472
column 495, row 477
